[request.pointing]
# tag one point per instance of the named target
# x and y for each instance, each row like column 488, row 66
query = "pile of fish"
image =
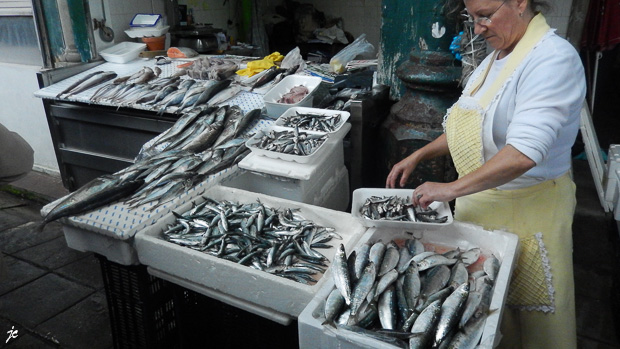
column 293, row 142
column 159, row 94
column 88, row 81
column 273, row 74
column 312, row 121
column 201, row 143
column 206, row 68
column 277, row 241
column 294, row 95
column 411, row 296
column 394, row 208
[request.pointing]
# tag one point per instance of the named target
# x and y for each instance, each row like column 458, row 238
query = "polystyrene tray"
column 123, row 52
column 271, row 98
column 303, row 159
column 261, row 290
column 344, row 116
column 502, row 245
column 360, row 196
column 141, row 32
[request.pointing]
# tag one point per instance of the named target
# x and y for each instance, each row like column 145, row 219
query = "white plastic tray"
column 503, row 245
column 260, row 291
column 303, row 159
column 271, row 98
column 360, row 196
column 141, row 32
column 123, row 52
column 344, row 116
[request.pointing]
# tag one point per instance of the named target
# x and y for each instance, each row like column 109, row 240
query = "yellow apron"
column 538, row 284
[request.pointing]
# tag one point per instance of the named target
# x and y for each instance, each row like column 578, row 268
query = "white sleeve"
column 551, row 86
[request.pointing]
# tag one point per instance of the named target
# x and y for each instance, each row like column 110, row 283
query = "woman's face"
column 506, row 27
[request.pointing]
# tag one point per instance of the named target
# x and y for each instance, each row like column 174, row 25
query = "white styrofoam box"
column 611, row 181
column 123, row 52
column 334, row 154
column 115, row 250
column 271, row 98
column 304, row 159
column 335, row 193
column 359, row 198
column 344, row 116
column 264, row 293
column 290, row 180
column 141, row 32
column 503, row 245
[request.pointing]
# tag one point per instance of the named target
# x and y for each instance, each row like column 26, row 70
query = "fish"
column 236, row 122
column 491, row 267
column 96, row 193
column 361, row 259
column 81, row 80
column 87, row 82
column 268, row 77
column 384, row 282
column 451, row 310
column 389, row 260
column 424, row 325
column 377, row 250
column 333, row 306
column 224, row 95
column 412, row 286
column 341, row 274
column 362, row 288
column 387, row 308
column 212, row 88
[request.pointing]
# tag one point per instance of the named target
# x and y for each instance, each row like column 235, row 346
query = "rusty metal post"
column 431, row 78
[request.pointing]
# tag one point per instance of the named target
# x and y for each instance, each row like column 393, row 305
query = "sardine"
column 362, row 288
column 341, row 274
column 333, row 306
column 451, row 310
column 425, row 325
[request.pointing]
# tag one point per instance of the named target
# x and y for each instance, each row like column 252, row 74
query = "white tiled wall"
column 119, row 13
column 558, row 16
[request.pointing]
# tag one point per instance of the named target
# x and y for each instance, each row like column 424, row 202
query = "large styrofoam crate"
column 290, row 180
column 318, row 152
column 503, row 245
column 612, row 186
column 617, row 202
column 276, row 298
column 115, row 250
column 334, row 194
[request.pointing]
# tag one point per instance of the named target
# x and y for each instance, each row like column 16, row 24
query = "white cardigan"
column 537, row 111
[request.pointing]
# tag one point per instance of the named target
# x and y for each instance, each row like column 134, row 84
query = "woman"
column 510, row 137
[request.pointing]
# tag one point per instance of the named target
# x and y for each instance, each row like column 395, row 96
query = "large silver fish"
column 340, row 271
column 88, row 82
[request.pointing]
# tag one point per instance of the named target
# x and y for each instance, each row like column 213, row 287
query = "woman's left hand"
column 428, row 192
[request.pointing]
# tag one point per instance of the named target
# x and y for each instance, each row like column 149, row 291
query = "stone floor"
column 53, row 296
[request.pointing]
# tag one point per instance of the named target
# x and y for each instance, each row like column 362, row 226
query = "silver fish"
column 341, row 274
column 412, row 286
column 362, row 288
column 390, row 259
column 388, row 308
column 384, row 282
column 333, row 306
column 424, row 325
column 451, row 310
column 361, row 259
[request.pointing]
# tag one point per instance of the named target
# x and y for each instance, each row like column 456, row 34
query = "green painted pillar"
column 425, row 81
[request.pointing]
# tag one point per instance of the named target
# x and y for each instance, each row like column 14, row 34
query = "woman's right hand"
column 401, row 172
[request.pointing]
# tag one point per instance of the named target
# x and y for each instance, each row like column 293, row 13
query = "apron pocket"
column 531, row 287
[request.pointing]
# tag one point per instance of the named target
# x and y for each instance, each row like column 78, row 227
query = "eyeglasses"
column 482, row 20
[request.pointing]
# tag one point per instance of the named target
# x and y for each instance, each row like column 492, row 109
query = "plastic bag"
column 293, row 58
column 360, row 46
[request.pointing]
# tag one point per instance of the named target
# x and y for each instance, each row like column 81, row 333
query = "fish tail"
column 39, row 227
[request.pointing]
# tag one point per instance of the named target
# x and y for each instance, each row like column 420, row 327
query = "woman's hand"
column 428, row 192
column 402, row 171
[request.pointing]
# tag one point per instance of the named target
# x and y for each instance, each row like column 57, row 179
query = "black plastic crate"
column 141, row 307
column 202, row 319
